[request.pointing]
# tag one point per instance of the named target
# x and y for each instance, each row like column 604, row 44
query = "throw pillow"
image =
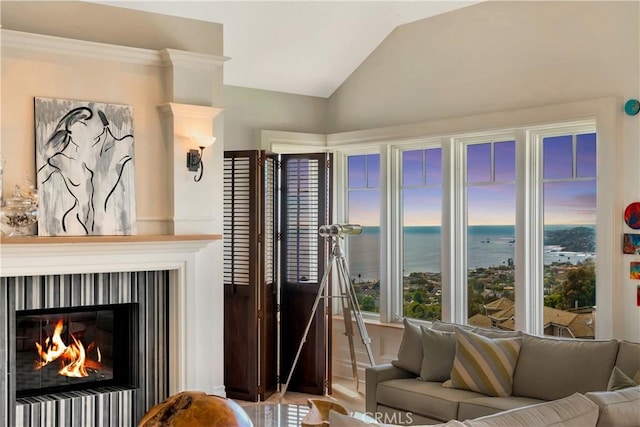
column 618, row 380
column 438, row 350
column 483, row 364
column 410, row 351
column 619, row 408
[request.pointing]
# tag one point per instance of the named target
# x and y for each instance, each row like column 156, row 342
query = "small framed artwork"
column 632, row 215
column 631, row 244
column 634, row 270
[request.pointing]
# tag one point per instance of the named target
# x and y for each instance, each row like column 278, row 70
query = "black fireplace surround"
column 67, row 349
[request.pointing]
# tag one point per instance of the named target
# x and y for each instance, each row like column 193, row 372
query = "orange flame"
column 73, row 358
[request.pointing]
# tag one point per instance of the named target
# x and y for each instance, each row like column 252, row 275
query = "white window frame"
column 526, row 125
column 395, row 225
column 457, row 219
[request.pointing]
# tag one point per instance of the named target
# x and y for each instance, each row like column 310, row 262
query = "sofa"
column 446, row 372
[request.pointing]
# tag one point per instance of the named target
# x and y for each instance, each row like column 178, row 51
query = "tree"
column 368, row 304
column 579, row 288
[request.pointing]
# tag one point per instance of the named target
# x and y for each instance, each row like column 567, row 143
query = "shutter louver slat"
column 236, row 221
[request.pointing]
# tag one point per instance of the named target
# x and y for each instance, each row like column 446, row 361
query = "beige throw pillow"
column 483, row 364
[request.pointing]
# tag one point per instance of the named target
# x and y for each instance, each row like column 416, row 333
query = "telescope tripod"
column 349, row 304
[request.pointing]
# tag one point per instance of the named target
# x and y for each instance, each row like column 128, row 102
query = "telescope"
column 339, row 230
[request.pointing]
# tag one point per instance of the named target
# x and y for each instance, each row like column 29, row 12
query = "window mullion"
column 529, row 234
column 454, row 266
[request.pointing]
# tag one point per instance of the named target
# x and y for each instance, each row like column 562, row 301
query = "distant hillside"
column 577, row 239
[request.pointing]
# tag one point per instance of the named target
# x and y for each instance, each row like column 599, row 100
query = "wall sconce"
column 194, row 157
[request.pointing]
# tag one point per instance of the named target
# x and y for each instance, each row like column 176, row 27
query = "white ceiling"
column 301, row 47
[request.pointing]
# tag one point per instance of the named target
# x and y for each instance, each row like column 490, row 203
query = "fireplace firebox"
column 59, row 350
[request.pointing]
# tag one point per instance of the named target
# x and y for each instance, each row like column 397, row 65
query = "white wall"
column 249, row 111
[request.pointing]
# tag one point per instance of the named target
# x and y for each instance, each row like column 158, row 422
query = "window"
column 421, row 204
column 551, row 170
column 363, row 207
column 512, row 215
column 569, row 198
column 491, row 209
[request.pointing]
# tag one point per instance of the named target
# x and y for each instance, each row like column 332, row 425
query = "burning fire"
column 73, row 357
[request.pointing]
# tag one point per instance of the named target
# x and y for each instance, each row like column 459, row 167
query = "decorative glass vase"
column 20, row 212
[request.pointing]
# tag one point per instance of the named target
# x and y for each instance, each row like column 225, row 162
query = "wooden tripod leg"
column 348, row 331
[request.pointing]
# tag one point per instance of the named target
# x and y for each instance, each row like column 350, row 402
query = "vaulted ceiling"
column 300, row 47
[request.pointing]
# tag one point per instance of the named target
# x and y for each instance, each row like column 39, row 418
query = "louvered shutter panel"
column 250, row 291
column 305, row 193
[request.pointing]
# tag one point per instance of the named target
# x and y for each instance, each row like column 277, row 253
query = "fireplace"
column 172, row 282
column 67, row 349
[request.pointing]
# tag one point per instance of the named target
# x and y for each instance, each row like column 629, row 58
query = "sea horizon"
column 488, row 246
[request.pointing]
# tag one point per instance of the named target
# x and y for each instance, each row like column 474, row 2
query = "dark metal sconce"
column 194, row 157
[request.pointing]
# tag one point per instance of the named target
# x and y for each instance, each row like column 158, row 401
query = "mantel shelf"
column 109, row 239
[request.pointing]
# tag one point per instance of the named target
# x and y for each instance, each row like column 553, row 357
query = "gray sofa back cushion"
column 551, row 368
column 628, row 360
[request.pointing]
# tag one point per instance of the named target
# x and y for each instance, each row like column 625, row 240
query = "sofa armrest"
column 378, row 374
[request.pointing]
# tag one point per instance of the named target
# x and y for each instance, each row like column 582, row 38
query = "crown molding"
column 10, row 39
column 173, row 57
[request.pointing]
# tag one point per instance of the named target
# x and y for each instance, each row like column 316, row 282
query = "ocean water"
column 488, row 245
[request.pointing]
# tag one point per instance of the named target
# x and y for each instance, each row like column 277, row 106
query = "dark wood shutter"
column 305, row 205
column 249, row 275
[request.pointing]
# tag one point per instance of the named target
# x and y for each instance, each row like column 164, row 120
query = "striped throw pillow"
column 484, row 364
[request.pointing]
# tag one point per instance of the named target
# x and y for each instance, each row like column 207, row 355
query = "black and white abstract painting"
column 84, row 164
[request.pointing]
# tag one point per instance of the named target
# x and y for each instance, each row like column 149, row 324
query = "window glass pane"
column 569, row 258
column 491, row 255
column 412, row 167
column 363, row 207
column 422, row 283
column 505, row 161
column 478, row 163
column 373, row 170
column 586, row 155
column 356, row 172
column 421, row 219
column 557, row 157
column 434, row 165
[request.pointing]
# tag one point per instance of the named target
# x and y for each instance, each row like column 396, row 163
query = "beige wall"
column 113, row 25
column 30, row 73
column 490, row 57
column 248, row 111
column 131, row 69
column 496, row 57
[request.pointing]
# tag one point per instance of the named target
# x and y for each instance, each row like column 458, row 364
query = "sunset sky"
column 490, row 202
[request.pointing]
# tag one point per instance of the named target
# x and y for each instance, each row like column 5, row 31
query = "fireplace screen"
column 73, row 349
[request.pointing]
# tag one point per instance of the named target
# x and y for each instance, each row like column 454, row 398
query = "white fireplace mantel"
column 191, row 294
